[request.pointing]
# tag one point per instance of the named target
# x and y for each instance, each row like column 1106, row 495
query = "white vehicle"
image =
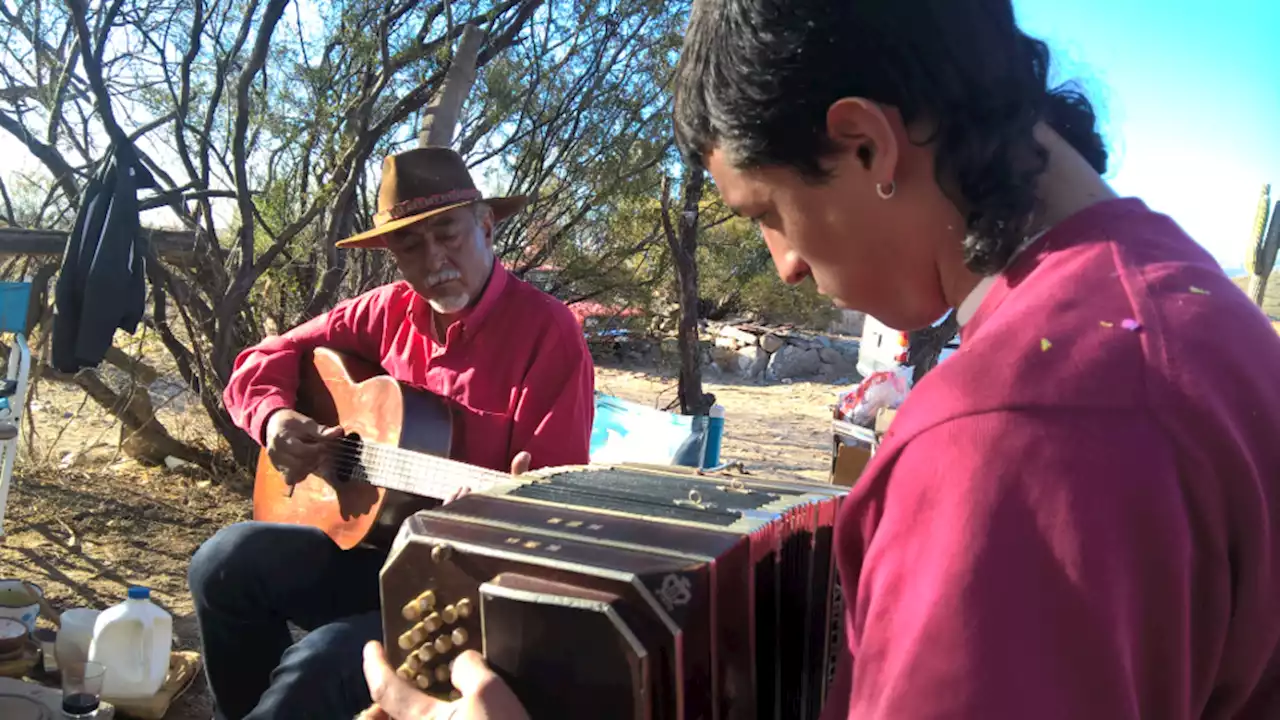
column 885, row 349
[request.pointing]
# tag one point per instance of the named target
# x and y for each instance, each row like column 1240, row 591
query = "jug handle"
column 144, row 648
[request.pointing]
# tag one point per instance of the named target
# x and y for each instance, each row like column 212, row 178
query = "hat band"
column 413, row 206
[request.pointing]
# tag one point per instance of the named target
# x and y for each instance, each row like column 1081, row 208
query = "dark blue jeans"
column 251, row 578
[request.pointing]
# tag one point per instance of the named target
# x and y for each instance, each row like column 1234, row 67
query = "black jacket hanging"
column 102, row 284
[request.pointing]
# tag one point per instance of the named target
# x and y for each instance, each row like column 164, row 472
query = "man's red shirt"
column 516, row 365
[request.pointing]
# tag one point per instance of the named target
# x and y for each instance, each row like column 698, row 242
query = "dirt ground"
column 84, row 524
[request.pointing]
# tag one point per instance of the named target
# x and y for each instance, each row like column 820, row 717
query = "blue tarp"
column 625, row 431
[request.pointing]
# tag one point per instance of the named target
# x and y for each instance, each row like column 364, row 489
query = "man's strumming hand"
column 297, row 444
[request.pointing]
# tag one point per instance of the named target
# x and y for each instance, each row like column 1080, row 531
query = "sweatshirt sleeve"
column 557, row 403
column 265, row 377
column 1025, row 565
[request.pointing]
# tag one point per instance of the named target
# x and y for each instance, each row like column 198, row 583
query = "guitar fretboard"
column 413, row 472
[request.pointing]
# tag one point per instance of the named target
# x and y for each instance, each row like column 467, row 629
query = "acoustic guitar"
column 391, row 462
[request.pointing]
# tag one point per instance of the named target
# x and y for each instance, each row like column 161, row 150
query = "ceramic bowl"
column 13, row 636
column 15, row 602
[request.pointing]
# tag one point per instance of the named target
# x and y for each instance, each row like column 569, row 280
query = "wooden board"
column 50, row 697
column 183, row 668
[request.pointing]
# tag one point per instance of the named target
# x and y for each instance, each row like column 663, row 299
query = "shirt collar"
column 498, row 279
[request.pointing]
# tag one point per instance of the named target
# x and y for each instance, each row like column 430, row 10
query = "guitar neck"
column 421, row 474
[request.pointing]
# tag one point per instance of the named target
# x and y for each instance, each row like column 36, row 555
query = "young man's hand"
column 519, row 466
column 484, row 695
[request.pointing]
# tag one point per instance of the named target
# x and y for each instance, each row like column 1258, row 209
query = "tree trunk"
column 441, row 120
column 682, row 237
column 145, row 438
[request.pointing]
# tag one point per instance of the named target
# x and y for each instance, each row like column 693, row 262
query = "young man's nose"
column 791, row 269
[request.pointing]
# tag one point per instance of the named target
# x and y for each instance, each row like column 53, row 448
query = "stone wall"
column 754, row 352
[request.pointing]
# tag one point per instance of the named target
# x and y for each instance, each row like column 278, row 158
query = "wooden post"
column 174, row 245
column 441, row 120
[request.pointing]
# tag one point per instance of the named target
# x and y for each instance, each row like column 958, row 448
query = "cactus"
column 1259, row 229
column 1261, row 257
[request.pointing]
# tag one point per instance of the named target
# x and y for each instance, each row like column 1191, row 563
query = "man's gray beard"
column 451, row 304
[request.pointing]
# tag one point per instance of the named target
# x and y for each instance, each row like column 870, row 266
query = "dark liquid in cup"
column 79, row 704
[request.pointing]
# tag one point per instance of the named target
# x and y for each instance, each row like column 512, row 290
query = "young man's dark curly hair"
column 757, row 78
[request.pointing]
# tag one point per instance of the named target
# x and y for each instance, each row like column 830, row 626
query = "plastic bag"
column 878, row 390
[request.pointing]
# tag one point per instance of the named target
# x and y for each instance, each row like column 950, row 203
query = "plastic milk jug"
column 132, row 642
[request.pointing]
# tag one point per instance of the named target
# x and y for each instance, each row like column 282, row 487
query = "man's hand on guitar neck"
column 519, row 466
column 297, row 444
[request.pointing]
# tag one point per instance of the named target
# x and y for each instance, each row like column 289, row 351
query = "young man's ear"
column 862, row 127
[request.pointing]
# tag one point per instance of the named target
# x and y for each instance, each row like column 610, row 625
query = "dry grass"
column 88, row 531
column 86, row 535
column 1270, row 301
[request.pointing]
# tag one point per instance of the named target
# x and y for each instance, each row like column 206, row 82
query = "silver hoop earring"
column 886, row 190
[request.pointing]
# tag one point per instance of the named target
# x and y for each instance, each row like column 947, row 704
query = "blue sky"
column 1189, row 91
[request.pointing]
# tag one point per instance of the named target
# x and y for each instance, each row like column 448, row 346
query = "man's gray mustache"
column 441, row 277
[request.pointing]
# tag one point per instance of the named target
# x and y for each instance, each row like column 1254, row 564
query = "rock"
column 838, row 372
column 174, row 463
column 729, row 343
column 847, row 348
column 752, row 361
column 741, row 337
column 793, row 362
column 823, row 340
column 771, row 343
column 830, row 355
column 725, row 358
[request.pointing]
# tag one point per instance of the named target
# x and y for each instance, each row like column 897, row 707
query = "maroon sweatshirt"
column 1077, row 515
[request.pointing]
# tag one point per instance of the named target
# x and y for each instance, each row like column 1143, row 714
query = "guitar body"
column 338, row 389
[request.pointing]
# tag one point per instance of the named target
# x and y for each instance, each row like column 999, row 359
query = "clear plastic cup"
column 81, row 689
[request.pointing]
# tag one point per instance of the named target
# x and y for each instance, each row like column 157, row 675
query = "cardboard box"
column 851, row 449
column 884, row 416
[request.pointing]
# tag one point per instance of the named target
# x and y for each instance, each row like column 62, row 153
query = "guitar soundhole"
column 349, row 459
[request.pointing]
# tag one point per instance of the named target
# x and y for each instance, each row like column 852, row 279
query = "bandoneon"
column 625, row 592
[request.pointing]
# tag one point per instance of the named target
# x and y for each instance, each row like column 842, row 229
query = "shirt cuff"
column 261, row 413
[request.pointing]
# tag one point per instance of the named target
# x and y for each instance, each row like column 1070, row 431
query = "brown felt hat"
column 420, row 183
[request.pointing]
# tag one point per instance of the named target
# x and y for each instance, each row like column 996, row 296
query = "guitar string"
column 375, row 460
column 397, row 476
column 392, row 461
column 389, row 457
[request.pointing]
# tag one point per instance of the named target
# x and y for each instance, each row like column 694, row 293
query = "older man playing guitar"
column 508, row 361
